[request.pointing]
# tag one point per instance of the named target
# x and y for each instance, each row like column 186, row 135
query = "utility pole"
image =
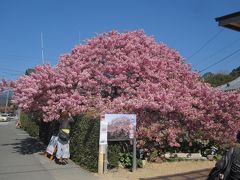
column 7, row 101
column 42, row 48
column 79, row 37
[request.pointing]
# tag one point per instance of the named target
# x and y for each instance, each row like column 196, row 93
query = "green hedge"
column 29, row 125
column 84, row 141
column 37, row 128
column 47, row 129
column 113, row 155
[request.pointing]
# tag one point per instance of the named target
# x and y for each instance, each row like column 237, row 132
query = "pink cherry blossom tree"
column 131, row 73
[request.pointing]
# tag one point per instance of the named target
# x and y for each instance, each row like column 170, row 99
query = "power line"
column 220, row 50
column 11, row 73
column 3, row 76
column 226, row 57
column 19, row 56
column 11, row 70
column 79, row 38
column 23, row 58
column 206, row 43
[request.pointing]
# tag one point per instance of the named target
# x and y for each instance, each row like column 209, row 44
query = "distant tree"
column 235, row 72
column 217, row 79
column 207, row 74
column 29, row 71
column 220, row 78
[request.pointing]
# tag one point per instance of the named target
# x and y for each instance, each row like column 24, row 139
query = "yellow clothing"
column 66, row 131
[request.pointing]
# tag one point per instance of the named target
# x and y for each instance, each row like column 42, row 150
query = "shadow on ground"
column 27, row 146
column 201, row 174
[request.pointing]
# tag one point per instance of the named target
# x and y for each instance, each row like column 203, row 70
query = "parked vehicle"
column 4, row 117
column 11, row 116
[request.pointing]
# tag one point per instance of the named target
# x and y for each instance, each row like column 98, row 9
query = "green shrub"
column 37, row 128
column 126, row 159
column 140, row 163
column 113, row 155
column 154, row 155
column 84, row 141
column 47, row 129
column 29, row 124
column 120, row 152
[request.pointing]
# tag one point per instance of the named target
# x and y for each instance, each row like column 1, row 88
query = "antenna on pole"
column 79, row 37
column 6, row 105
column 42, row 48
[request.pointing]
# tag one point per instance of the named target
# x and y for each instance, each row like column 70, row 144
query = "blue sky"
column 183, row 25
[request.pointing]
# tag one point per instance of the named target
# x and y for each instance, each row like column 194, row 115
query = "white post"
column 79, row 37
column 6, row 102
column 102, row 159
column 42, row 48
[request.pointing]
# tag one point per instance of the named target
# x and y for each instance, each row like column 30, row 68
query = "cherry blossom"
column 131, row 73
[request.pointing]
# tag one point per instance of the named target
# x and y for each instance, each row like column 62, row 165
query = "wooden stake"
column 100, row 159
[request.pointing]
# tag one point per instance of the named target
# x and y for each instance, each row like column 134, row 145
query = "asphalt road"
column 20, row 159
column 17, row 159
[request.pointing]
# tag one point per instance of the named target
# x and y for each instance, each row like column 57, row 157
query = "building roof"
column 233, row 85
column 231, row 21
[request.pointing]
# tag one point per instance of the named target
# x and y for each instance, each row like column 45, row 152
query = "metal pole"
column 134, row 155
column 42, row 48
column 6, row 102
column 79, row 37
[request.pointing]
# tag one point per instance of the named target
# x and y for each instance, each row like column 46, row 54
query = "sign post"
column 116, row 127
column 134, row 155
column 100, row 159
column 122, row 127
column 102, row 146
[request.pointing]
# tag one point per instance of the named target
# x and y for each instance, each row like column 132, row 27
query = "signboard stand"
column 111, row 124
column 134, row 167
column 102, row 155
column 100, row 160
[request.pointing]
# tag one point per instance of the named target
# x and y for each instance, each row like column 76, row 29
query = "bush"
column 47, row 129
column 84, row 141
column 120, row 152
column 84, row 137
column 126, row 159
column 37, row 128
column 29, row 124
column 113, row 155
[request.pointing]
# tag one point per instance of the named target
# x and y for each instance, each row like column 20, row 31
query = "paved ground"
column 196, row 175
column 20, row 159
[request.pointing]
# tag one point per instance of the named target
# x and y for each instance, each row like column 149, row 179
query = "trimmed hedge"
column 37, row 128
column 84, row 141
column 47, row 129
column 29, row 125
column 84, row 137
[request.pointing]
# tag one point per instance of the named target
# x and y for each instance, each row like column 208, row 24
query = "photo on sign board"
column 121, row 126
